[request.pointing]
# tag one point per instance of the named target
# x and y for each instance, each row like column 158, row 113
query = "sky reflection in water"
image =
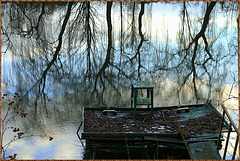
column 61, row 115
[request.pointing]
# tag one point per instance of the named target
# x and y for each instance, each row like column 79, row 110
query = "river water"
column 60, row 120
column 54, row 115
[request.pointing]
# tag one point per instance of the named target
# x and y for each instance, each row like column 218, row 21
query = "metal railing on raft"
column 231, row 125
column 80, row 128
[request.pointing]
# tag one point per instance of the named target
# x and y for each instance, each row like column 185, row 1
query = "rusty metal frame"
column 231, row 125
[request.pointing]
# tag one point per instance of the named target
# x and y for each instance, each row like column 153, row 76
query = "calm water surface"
column 59, row 120
column 56, row 112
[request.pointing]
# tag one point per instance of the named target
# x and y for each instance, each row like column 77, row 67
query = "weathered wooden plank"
column 204, row 150
column 122, row 135
column 184, row 109
column 205, row 136
column 163, row 139
column 109, row 111
column 177, row 107
column 157, row 108
column 131, row 145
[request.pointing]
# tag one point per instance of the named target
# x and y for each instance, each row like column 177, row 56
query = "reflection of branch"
column 188, row 23
column 194, row 69
column 39, row 19
column 43, row 78
column 24, row 13
column 230, row 95
column 184, row 81
column 194, row 42
column 142, row 39
column 206, row 47
column 9, row 44
column 120, row 71
column 185, row 14
column 110, row 82
column 107, row 60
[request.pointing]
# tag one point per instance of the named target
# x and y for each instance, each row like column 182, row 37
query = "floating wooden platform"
column 192, row 130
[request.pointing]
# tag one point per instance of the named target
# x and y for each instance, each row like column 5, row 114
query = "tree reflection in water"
column 69, row 55
column 81, row 52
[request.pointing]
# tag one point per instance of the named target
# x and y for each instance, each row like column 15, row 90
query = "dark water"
column 54, row 109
